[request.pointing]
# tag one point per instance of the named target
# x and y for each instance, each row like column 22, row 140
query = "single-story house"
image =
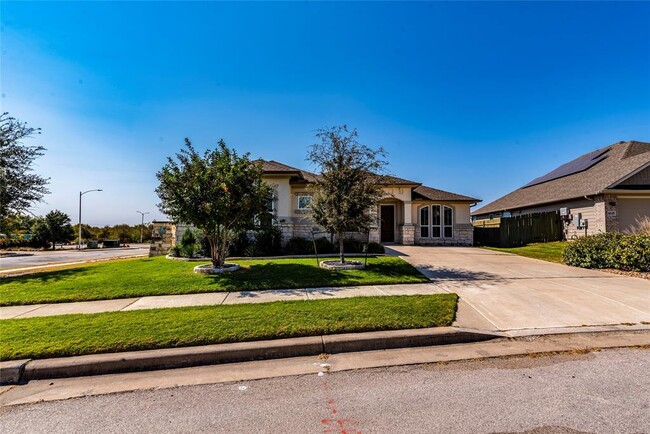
column 408, row 213
column 606, row 190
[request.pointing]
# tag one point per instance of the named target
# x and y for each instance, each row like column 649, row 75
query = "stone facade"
column 163, row 235
column 463, row 235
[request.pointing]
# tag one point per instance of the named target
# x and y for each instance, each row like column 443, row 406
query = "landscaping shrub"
column 610, row 250
column 352, row 246
column 189, row 245
column 324, row 246
column 175, row 252
column 375, row 248
column 299, row 246
column 268, row 242
column 239, row 246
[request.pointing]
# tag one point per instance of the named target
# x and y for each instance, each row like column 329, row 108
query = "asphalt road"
column 603, row 392
column 34, row 259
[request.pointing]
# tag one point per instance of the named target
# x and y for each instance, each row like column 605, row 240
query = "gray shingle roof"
column 622, row 159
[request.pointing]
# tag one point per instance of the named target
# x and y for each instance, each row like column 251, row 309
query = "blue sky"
column 474, row 98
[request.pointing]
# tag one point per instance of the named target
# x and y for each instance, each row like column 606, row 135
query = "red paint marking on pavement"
column 334, row 424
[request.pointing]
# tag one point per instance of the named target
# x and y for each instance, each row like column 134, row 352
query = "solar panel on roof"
column 578, row 165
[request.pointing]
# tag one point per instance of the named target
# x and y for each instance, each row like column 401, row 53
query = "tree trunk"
column 213, row 251
column 341, row 248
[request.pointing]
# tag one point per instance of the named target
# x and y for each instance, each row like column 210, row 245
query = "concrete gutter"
column 22, row 371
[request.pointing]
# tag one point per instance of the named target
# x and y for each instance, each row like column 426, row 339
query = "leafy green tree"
column 86, row 231
column 218, row 192
column 19, row 186
column 54, row 228
column 348, row 187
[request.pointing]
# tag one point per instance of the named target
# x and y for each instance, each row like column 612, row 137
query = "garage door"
column 631, row 209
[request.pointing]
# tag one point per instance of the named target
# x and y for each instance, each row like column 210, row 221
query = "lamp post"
column 81, row 193
column 142, row 224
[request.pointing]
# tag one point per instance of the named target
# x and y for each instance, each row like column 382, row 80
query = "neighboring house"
column 606, row 190
column 409, row 213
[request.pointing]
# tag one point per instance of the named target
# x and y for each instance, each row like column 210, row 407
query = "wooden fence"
column 521, row 230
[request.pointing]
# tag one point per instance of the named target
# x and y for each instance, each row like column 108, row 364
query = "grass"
column 551, row 252
column 71, row 335
column 160, row 276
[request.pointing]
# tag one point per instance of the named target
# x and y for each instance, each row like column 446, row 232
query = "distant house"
column 409, row 213
column 606, row 190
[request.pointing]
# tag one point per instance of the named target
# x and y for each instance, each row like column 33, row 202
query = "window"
column 435, row 224
column 304, row 202
column 436, row 221
column 448, row 222
column 424, row 222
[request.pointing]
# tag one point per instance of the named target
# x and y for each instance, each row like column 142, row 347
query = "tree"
column 19, row 187
column 348, row 187
column 219, row 193
column 54, row 228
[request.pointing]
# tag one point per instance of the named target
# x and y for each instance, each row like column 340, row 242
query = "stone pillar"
column 162, row 238
column 408, row 234
column 463, row 234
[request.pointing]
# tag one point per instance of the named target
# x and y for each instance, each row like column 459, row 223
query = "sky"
column 473, row 98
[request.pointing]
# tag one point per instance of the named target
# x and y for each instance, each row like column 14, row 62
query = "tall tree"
column 348, row 188
column 218, row 192
column 54, row 228
column 19, row 186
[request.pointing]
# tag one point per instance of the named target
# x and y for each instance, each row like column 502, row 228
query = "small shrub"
column 299, row 246
column 376, row 248
column 189, row 245
column 268, row 241
column 610, row 250
column 633, row 253
column 203, row 245
column 351, row 245
column 240, row 244
column 175, row 252
column 324, row 246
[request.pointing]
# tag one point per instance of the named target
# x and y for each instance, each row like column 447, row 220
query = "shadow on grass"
column 275, row 275
column 45, row 277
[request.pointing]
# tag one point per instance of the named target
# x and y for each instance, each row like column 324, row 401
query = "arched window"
column 424, row 222
column 448, row 222
column 436, row 221
column 436, row 231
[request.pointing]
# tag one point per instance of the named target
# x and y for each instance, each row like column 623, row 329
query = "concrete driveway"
column 501, row 291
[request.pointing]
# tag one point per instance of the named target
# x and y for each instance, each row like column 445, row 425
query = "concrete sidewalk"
column 215, row 298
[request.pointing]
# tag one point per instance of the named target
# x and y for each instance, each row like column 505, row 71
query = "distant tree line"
column 21, row 230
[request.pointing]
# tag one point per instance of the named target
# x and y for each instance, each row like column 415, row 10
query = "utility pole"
column 81, row 193
column 142, row 224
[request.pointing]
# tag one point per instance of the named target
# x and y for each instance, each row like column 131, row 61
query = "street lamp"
column 81, row 193
column 142, row 224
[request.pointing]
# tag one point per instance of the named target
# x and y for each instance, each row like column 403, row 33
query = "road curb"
column 22, row 371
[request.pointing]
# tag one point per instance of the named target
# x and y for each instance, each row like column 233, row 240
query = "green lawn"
column 159, row 276
column 70, row 335
column 547, row 251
